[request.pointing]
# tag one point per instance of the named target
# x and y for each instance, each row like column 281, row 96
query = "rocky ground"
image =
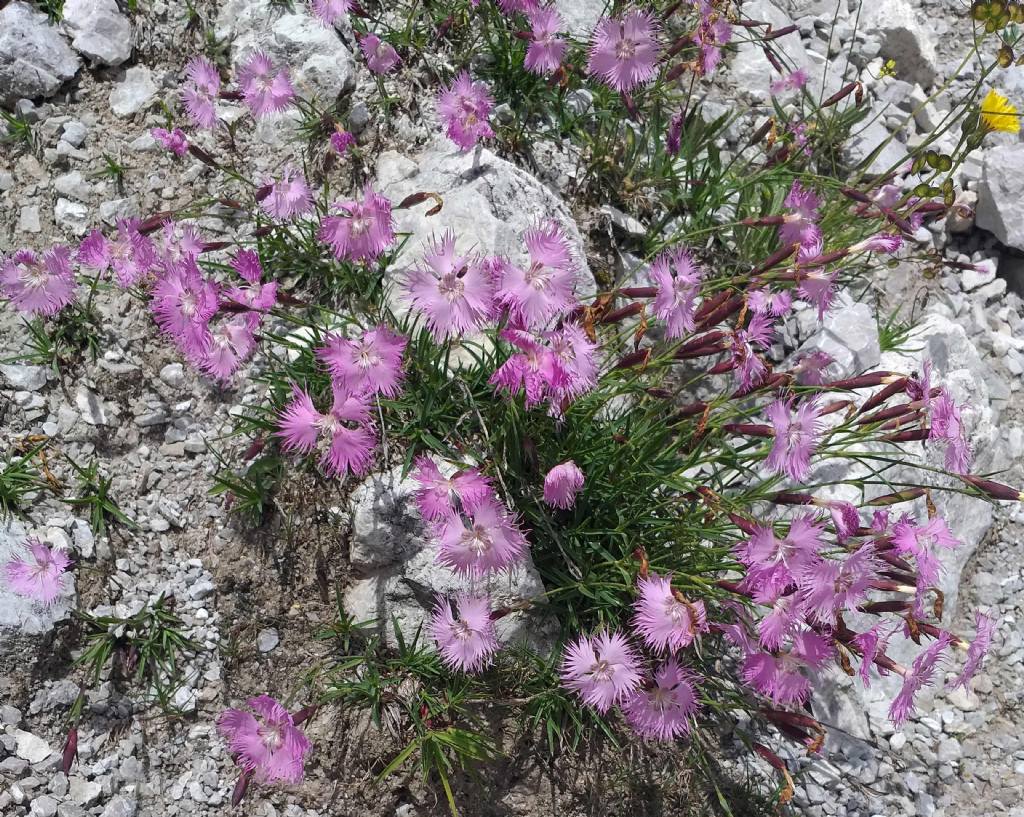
column 250, row 599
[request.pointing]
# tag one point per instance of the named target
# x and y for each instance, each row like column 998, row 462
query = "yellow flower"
column 998, row 114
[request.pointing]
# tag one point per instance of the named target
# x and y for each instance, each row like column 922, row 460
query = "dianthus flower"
column 328, row 11
column 800, row 226
column 663, row 617
column 750, row 369
column 602, row 670
column 38, row 286
column 254, row 295
column 381, row 56
column 174, row 141
column 784, row 677
column 229, row 345
column 947, row 425
column 985, row 626
column 38, row 574
column 200, row 92
column 179, row 243
column 344, row 435
column 678, row 278
column 773, row 563
column 464, row 106
column 796, row 437
column 810, row 368
column 362, row 230
column 534, row 369
column 920, row 675
column 546, row 50
column 845, row 519
column 887, row 243
column 828, row 586
column 267, row 744
column 574, row 354
column 183, row 303
column 510, row 7
column 288, row 196
column 454, row 292
column 562, row 483
column 440, row 497
column 466, row 641
column 661, row 709
column 265, row 89
column 624, row 50
column 872, row 644
column 130, row 254
column 791, row 82
column 778, row 624
column 546, row 288
column 773, row 303
column 817, row 286
column 481, row 539
column 371, row 364
column 921, row 541
column 713, row 32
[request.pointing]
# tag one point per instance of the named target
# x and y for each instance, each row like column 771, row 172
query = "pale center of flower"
column 360, row 224
column 451, row 287
column 34, row 276
column 537, row 276
column 601, row 670
column 660, row 698
column 462, row 631
column 926, row 541
column 272, row 735
column 794, row 436
column 677, row 612
column 477, row 539
column 367, row 357
column 625, row 49
column 188, row 304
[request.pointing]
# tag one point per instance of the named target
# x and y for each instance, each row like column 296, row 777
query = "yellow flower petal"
column 998, row 114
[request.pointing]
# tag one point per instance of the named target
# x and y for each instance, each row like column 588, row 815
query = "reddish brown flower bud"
column 638, row 292
column 621, row 314
column 840, row 95
column 909, row 436
column 750, row 429
column 996, row 490
column 907, row 495
column 776, row 258
column 70, row 750
column 779, row 32
column 864, row 381
column 241, row 786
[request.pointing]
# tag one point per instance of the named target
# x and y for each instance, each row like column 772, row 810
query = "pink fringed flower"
column 773, row 563
column 371, row 365
column 229, row 345
column 39, row 574
column 574, row 354
column 200, row 92
column 678, row 280
column 534, row 369
column 828, row 586
column 796, row 437
column 817, row 285
column 921, row 542
column 466, row 642
column 773, row 303
column 713, row 33
column 947, row 425
column 183, row 303
column 793, row 81
column 546, row 49
column 440, row 497
column 482, row 539
column 454, row 292
column 38, row 286
column 362, row 230
column 546, row 288
column 661, row 710
column 265, row 89
column 510, row 7
column 344, row 435
column 381, row 56
column 341, row 141
column 624, row 51
column 329, row 11
column 562, row 484
column 811, row 369
column 920, row 675
column 287, row 197
column 464, row 107
column 663, row 617
column 872, row 644
column 179, row 243
column 800, row 226
column 750, row 369
column 986, row 627
column 267, row 744
column 602, row 670
column 130, row 254
column 784, row 677
column 887, row 243
column 255, row 295
column 174, row 141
